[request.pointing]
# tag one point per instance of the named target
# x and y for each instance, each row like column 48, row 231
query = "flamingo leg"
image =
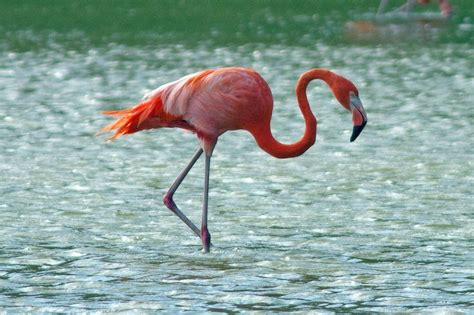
column 168, row 198
column 205, row 235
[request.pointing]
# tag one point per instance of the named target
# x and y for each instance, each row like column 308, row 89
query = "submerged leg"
column 205, row 235
column 168, row 198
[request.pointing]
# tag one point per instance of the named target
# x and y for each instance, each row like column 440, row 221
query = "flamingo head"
column 359, row 117
column 348, row 96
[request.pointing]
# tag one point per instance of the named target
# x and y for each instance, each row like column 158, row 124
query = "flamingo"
column 444, row 7
column 214, row 101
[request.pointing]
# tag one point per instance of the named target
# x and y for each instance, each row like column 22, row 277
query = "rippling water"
column 382, row 224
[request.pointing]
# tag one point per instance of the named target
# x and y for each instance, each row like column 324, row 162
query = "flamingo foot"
column 206, row 239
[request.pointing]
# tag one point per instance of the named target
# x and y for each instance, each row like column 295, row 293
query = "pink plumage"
column 211, row 102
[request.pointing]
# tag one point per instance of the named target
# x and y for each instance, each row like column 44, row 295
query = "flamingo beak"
column 359, row 117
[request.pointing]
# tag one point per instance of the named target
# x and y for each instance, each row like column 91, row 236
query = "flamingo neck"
column 272, row 146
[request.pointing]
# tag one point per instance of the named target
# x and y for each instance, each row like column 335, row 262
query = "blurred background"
column 384, row 224
column 81, row 24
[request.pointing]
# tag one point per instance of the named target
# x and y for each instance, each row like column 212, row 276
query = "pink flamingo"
column 212, row 102
column 444, row 6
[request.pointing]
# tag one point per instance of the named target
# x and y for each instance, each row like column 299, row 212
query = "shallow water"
column 382, row 224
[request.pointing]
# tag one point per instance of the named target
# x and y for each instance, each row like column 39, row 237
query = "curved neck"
column 263, row 134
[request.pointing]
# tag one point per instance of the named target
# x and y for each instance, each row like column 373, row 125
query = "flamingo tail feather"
column 131, row 119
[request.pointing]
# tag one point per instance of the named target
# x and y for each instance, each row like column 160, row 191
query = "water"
column 382, row 224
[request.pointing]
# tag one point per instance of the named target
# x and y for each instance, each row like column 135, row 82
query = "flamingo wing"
column 208, row 102
column 163, row 107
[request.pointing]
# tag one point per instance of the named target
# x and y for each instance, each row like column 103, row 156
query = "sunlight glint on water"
column 381, row 224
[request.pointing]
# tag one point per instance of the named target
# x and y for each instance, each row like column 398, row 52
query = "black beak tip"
column 357, row 130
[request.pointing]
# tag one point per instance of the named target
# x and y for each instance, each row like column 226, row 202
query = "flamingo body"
column 208, row 102
column 214, row 101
